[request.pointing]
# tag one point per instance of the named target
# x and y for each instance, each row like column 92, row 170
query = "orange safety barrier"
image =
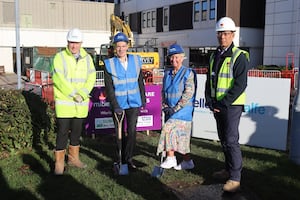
column 264, row 73
column 48, row 94
column 148, row 81
column 292, row 74
column 44, row 91
column 154, row 76
column 38, row 77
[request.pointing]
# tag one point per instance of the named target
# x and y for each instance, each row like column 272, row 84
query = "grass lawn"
column 269, row 174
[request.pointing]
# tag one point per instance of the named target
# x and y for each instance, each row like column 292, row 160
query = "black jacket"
column 110, row 91
column 240, row 70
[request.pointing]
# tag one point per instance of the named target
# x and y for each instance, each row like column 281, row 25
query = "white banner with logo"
column 265, row 120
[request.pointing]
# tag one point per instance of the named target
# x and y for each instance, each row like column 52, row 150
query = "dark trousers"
column 129, row 139
column 228, row 131
column 68, row 127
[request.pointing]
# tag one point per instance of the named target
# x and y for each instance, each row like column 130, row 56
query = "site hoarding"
column 265, row 120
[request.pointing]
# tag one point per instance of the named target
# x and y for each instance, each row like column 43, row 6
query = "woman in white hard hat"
column 225, row 96
column 179, row 91
column 74, row 76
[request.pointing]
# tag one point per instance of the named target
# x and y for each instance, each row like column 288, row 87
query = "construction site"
column 271, row 111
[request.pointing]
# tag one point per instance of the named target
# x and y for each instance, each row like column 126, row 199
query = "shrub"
column 25, row 120
column 273, row 67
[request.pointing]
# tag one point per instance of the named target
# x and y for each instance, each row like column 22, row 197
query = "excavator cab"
column 149, row 54
column 106, row 51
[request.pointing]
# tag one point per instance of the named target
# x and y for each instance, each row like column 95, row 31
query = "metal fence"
column 99, row 78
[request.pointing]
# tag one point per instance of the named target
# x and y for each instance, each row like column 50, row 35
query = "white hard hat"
column 225, row 24
column 74, row 35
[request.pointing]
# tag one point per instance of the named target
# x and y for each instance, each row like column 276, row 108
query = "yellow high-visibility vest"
column 225, row 77
column 71, row 77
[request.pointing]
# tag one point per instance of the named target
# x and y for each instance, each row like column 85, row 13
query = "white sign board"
column 265, row 120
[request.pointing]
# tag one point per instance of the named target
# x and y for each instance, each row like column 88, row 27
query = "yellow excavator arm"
column 118, row 25
column 150, row 60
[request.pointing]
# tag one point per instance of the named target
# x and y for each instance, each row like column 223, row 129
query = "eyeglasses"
column 225, row 33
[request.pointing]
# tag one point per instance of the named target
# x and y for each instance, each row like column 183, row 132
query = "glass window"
column 153, row 19
column 212, row 9
column 144, row 20
column 196, row 12
column 126, row 19
column 148, row 19
column 166, row 16
column 204, row 10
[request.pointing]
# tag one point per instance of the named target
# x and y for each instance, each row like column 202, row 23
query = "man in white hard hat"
column 225, row 97
column 74, row 76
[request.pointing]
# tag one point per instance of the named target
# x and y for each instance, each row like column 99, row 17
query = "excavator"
column 150, row 58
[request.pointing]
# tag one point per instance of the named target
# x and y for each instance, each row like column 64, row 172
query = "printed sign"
column 150, row 116
column 100, row 119
column 265, row 120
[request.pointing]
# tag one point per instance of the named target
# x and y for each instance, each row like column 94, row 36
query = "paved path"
column 9, row 81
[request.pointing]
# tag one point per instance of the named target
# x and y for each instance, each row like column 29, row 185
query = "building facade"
column 45, row 23
column 192, row 25
column 282, row 32
column 268, row 29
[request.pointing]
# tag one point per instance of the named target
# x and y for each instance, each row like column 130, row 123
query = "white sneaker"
column 185, row 165
column 169, row 163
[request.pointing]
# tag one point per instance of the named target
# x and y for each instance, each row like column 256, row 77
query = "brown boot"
column 73, row 157
column 231, row 186
column 59, row 162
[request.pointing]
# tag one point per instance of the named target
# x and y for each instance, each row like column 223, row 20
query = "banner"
column 150, row 116
column 100, row 119
column 265, row 120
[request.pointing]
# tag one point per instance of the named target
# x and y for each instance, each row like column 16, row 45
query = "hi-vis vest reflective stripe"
column 225, row 77
column 125, row 82
column 71, row 77
column 173, row 89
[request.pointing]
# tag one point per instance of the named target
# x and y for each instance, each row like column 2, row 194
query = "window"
column 204, row 10
column 199, row 56
column 126, row 19
column 196, row 12
column 166, row 16
column 181, row 16
column 153, row 13
column 148, row 19
column 212, row 10
column 144, row 20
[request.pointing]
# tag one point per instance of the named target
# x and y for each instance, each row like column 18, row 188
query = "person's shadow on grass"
column 137, row 180
column 58, row 187
column 11, row 194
